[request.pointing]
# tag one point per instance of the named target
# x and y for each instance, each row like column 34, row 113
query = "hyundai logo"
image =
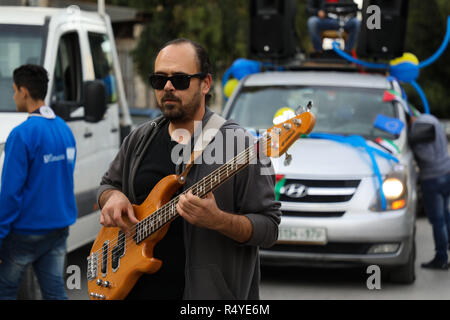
column 295, row 190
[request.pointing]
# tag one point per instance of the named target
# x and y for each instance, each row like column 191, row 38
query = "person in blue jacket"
column 37, row 201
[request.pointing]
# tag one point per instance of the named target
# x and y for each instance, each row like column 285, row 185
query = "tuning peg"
column 288, row 159
column 297, row 122
column 287, row 126
column 300, row 110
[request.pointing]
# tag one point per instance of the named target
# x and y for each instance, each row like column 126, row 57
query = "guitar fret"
column 205, row 185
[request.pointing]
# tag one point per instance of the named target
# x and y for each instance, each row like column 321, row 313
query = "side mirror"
column 64, row 109
column 94, row 100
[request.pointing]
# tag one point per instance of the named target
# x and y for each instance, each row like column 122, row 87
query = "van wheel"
column 405, row 274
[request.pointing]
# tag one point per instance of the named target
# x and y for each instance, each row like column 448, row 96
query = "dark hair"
column 34, row 78
column 202, row 56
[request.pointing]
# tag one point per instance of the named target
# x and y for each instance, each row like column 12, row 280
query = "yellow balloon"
column 230, row 86
column 283, row 115
column 406, row 57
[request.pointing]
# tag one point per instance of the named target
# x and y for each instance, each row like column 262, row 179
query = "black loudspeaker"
column 272, row 28
column 383, row 29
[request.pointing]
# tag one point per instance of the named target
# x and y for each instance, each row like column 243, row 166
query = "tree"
column 424, row 36
column 222, row 26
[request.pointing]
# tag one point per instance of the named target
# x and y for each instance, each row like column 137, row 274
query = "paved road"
column 348, row 284
column 335, row 284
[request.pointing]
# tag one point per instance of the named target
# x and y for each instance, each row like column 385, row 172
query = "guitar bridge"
column 92, row 271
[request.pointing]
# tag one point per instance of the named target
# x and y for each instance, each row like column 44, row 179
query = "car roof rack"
column 329, row 61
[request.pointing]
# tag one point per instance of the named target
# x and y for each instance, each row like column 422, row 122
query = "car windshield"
column 19, row 45
column 338, row 110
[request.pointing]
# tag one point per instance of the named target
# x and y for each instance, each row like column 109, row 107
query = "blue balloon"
column 240, row 69
column 405, row 71
column 243, row 67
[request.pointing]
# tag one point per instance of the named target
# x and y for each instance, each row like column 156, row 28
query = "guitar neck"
column 209, row 183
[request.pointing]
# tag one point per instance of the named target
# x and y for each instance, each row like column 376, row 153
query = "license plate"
column 302, row 235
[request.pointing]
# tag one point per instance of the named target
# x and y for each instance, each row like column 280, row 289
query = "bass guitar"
column 116, row 260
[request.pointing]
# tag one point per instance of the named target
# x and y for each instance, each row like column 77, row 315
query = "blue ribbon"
column 408, row 71
column 441, row 49
column 359, row 142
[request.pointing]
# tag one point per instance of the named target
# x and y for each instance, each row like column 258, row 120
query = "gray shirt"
column 217, row 267
column 430, row 146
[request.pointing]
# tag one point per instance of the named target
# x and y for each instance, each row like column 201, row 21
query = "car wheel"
column 405, row 274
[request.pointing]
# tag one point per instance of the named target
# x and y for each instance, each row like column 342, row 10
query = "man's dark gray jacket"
column 217, row 267
column 430, row 151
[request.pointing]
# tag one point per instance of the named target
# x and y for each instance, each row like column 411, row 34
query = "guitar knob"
column 287, row 126
column 99, row 282
column 107, row 284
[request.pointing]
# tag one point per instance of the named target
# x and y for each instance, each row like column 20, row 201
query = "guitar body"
column 131, row 259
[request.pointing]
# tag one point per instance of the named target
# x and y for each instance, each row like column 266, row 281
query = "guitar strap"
column 208, row 132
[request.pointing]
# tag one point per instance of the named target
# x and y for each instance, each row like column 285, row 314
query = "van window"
column 67, row 78
column 19, row 44
column 103, row 67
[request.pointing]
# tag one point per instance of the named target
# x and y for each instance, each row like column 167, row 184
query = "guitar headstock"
column 280, row 137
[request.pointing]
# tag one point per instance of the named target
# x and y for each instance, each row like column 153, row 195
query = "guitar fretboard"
column 209, row 183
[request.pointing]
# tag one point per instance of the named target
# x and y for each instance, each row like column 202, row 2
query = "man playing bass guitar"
column 211, row 252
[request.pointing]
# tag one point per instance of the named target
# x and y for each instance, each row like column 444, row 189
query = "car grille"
column 318, row 191
column 329, row 248
column 313, row 214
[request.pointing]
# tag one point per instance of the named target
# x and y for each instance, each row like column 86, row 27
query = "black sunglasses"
column 179, row 81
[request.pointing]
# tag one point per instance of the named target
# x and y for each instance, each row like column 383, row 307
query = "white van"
column 78, row 51
column 330, row 192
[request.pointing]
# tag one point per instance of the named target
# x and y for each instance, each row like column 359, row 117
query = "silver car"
column 338, row 206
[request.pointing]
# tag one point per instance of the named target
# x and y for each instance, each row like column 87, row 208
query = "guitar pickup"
column 105, row 249
column 118, row 251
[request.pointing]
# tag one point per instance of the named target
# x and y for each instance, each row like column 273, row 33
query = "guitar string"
column 222, row 171
column 222, row 168
column 169, row 207
column 165, row 209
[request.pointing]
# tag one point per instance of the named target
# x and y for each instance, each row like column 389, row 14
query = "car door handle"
column 114, row 130
column 88, row 135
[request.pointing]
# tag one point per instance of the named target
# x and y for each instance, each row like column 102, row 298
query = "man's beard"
column 179, row 112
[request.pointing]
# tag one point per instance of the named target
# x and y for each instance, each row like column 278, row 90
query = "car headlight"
column 393, row 188
column 395, row 191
